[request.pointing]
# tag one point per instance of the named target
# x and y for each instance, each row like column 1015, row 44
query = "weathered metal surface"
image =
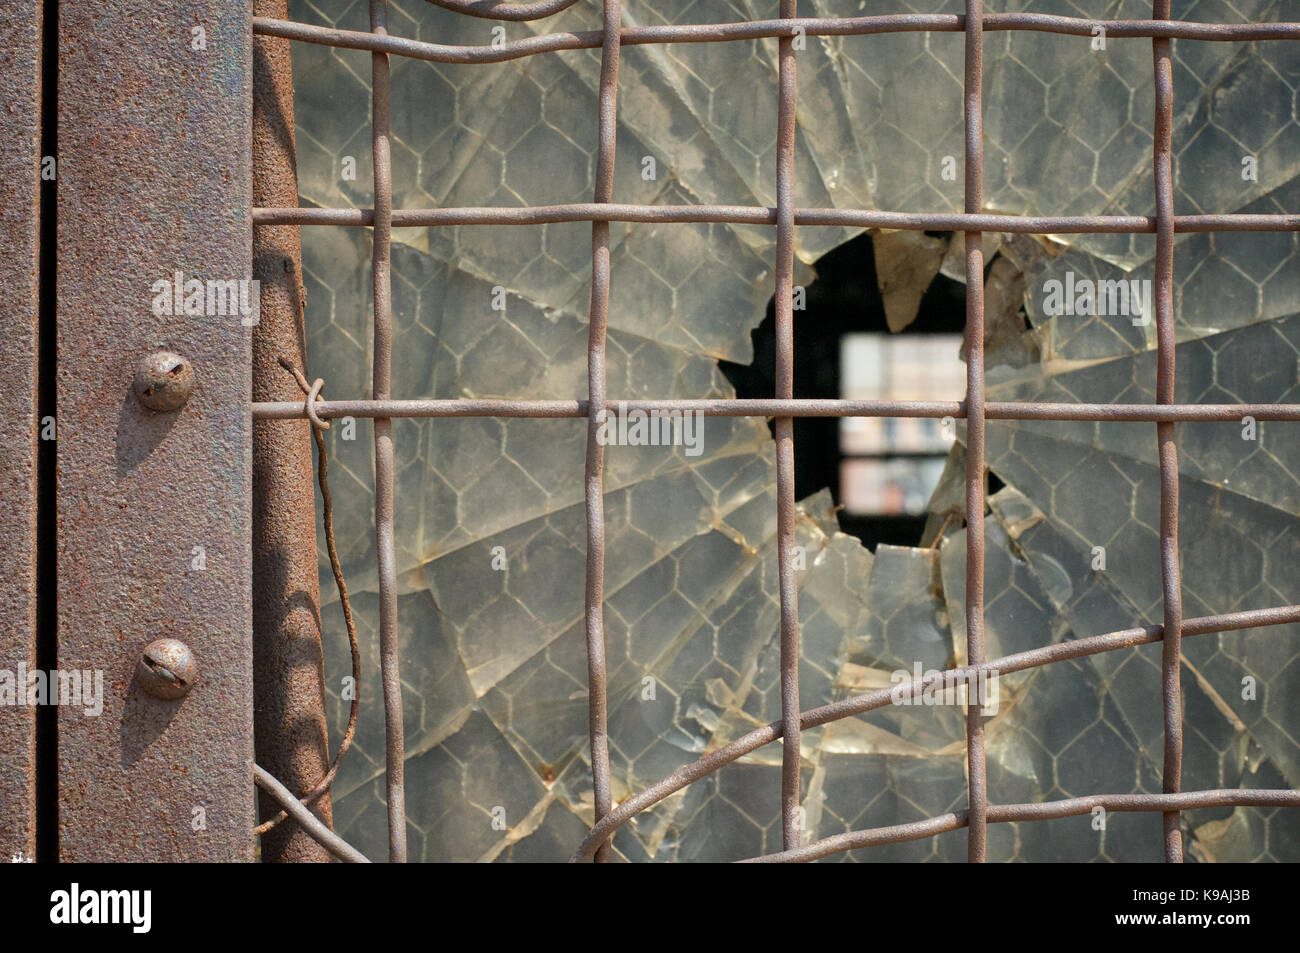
column 326, row 838
column 167, row 669
column 791, row 828
column 594, row 469
column 381, row 381
column 973, row 122
column 164, row 381
column 765, row 407
column 755, row 215
column 154, row 509
column 20, row 69
column 1171, row 579
column 288, row 664
column 721, row 32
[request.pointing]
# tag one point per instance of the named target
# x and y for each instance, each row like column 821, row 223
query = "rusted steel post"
column 20, row 74
column 288, row 665
column 1166, row 342
column 154, row 508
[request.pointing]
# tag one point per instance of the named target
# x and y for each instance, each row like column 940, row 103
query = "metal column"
column 288, row 663
column 154, row 511
column 20, row 73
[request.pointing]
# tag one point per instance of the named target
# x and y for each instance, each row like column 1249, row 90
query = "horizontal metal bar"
column 757, row 29
column 760, row 215
column 771, row 407
column 860, row 704
column 502, row 10
column 310, row 823
column 1037, row 811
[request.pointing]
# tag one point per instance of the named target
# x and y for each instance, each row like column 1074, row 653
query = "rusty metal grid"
column 784, row 407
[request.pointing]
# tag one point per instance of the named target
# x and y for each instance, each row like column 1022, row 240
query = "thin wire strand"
column 327, row 519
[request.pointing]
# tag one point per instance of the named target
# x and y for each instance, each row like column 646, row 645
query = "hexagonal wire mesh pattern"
column 1003, row 569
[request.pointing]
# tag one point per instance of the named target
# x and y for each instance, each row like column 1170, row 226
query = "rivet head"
column 167, row 669
column 163, row 381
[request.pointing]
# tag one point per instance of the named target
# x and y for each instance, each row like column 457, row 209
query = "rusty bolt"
column 167, row 669
column 163, row 381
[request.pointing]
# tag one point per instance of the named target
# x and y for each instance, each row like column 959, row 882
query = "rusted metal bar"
column 594, row 476
column 322, row 786
column 770, row 407
column 311, row 825
column 20, row 425
column 288, row 662
column 381, row 385
column 1036, row 811
column 502, row 10
column 756, row 29
column 975, row 477
column 785, row 504
column 154, row 508
column 1171, row 657
column 859, row 704
column 758, row 215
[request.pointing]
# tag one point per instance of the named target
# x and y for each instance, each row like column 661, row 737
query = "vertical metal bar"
column 785, row 506
column 389, row 661
column 595, row 465
column 975, row 478
column 20, row 183
column 154, row 179
column 288, row 663
column 1171, row 655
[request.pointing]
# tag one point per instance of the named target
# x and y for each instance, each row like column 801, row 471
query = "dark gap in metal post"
column 47, row 564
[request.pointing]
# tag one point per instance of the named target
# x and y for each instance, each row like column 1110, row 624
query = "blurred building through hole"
column 881, row 471
column 889, row 466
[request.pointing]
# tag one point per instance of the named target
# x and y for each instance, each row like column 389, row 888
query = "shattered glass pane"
column 490, row 539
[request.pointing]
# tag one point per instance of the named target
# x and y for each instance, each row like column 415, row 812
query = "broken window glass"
column 489, row 521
